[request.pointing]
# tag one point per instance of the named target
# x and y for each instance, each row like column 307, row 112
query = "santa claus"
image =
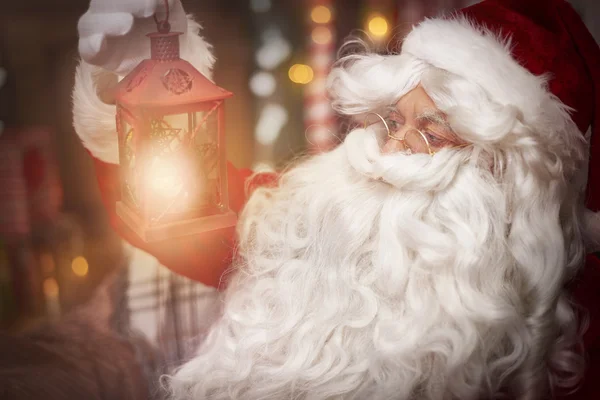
column 432, row 254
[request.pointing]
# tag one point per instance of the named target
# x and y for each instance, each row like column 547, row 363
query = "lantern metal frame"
column 159, row 87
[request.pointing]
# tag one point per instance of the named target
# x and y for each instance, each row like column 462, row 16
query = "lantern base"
column 153, row 233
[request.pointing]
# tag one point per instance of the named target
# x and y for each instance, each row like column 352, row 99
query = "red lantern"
column 172, row 156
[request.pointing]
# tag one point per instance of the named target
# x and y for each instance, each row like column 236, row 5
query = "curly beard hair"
column 371, row 276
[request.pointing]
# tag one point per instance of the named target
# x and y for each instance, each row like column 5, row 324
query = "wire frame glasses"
column 414, row 140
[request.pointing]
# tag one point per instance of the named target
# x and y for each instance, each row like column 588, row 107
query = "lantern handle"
column 163, row 26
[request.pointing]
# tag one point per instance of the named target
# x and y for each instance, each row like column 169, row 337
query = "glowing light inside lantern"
column 80, row 266
column 321, row 35
column 320, row 15
column 171, row 191
column 378, row 26
column 165, row 178
column 300, row 73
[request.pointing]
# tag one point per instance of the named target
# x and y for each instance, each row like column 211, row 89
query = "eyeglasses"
column 414, row 140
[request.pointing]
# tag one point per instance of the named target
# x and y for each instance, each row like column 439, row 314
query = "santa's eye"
column 434, row 140
column 395, row 122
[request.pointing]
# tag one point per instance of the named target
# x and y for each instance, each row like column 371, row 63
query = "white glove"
column 112, row 33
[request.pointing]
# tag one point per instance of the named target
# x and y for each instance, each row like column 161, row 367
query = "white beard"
column 349, row 287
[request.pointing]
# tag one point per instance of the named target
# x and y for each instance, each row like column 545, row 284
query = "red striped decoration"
column 319, row 118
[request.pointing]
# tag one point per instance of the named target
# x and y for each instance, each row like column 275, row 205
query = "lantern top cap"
column 156, row 83
column 165, row 80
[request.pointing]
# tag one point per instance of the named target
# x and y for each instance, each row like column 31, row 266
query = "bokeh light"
column 274, row 50
column 80, row 266
column 378, row 26
column 271, row 121
column 300, row 73
column 263, row 84
column 320, row 15
column 321, row 35
column 50, row 287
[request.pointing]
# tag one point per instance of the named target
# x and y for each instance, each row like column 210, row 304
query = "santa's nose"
column 395, row 145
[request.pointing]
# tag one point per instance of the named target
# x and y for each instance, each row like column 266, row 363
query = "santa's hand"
column 112, row 33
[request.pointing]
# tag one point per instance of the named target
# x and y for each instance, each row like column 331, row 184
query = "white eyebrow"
column 434, row 116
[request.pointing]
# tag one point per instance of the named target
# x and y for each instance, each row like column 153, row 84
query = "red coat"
column 205, row 258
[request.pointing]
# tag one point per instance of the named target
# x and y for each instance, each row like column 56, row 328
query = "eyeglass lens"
column 416, row 142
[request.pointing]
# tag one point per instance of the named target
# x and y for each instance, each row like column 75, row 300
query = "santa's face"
column 415, row 125
column 416, row 114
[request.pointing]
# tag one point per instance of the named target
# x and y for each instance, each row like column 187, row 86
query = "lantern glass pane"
column 127, row 155
column 206, row 144
column 182, row 167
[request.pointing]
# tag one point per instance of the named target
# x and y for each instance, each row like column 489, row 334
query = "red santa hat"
column 505, row 46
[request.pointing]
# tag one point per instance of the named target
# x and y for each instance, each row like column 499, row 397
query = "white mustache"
column 404, row 171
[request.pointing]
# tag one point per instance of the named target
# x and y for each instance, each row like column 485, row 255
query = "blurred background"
column 274, row 55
